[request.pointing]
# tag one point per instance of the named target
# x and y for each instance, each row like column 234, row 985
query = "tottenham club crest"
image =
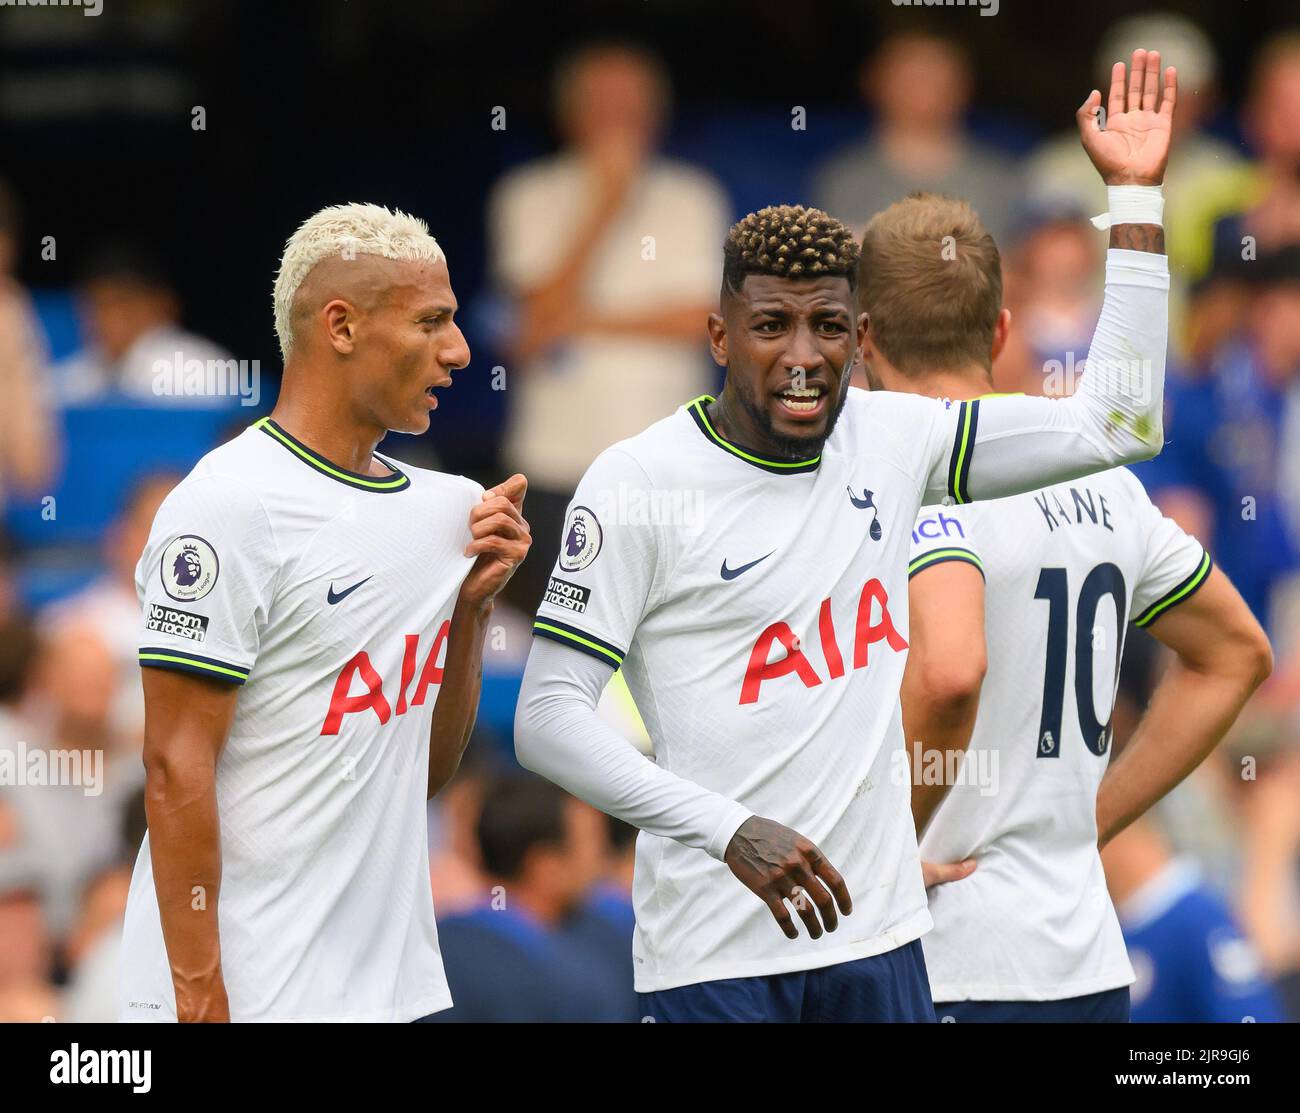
column 189, row 568
column 582, row 537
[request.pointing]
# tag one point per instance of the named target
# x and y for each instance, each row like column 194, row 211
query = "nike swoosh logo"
column 732, row 573
column 338, row 597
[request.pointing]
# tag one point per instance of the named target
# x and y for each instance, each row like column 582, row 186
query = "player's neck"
column 328, row 427
column 960, row 386
column 735, row 425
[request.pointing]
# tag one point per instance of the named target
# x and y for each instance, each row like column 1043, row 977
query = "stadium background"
column 107, row 180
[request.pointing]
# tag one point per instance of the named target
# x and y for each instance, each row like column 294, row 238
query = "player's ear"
column 340, row 320
column 869, row 360
column 718, row 339
column 864, row 327
column 1001, row 330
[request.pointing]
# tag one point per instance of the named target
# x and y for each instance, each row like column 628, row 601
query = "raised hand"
column 778, row 864
column 1133, row 149
column 500, row 538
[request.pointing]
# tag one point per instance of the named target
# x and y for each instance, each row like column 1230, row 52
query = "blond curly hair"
column 789, row 241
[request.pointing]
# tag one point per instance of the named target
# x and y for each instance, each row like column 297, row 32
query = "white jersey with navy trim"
column 759, row 612
column 1065, row 569
column 759, row 609
column 327, row 595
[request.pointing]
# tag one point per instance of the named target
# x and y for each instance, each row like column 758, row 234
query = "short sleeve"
column 600, row 587
column 944, row 534
column 1174, row 564
column 205, row 581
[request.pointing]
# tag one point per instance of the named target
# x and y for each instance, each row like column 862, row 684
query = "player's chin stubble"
column 781, row 445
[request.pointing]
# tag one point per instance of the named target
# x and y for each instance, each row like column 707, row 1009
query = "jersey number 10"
column 1053, row 585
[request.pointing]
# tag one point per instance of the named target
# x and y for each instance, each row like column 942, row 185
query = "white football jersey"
column 1065, row 569
column 759, row 612
column 327, row 595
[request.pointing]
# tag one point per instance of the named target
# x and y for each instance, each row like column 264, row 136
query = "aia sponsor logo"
column 344, row 702
column 874, row 624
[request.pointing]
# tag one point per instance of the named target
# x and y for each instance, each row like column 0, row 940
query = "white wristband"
column 1132, row 204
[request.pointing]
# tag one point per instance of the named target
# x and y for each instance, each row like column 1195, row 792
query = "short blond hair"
column 348, row 231
column 930, row 278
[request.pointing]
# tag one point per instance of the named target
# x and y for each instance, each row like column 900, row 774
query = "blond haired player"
column 311, row 650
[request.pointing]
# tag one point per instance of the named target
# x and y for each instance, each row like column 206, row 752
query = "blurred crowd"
column 603, row 258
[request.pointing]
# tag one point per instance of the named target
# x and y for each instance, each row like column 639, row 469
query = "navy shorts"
column 1108, row 1007
column 889, row 987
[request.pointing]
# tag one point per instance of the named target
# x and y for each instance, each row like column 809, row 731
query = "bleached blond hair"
column 346, row 231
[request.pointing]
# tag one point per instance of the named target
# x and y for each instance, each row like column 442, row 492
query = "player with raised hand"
column 312, row 654
column 1019, row 608
column 745, row 562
